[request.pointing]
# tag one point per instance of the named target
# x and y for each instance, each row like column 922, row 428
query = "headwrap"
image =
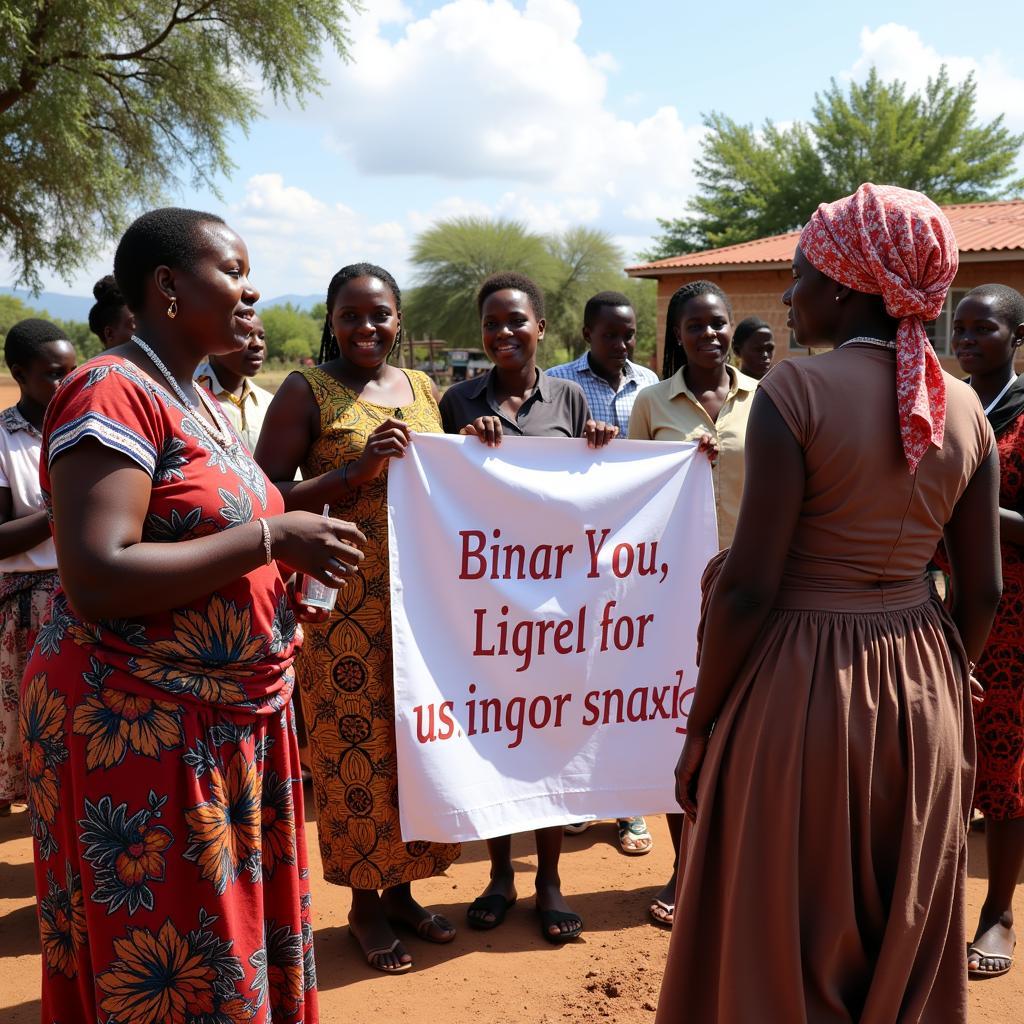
column 892, row 242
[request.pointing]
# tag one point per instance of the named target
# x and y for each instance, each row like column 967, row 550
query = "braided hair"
column 109, row 305
column 675, row 354
column 328, row 343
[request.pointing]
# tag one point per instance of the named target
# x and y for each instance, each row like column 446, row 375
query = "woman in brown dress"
column 830, row 757
column 342, row 422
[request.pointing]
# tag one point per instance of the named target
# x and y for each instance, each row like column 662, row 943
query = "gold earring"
column 172, row 309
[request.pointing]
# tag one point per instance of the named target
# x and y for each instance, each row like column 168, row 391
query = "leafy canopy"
column 756, row 183
column 453, row 257
column 102, row 102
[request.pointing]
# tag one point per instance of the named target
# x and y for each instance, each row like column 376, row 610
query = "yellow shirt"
column 669, row 411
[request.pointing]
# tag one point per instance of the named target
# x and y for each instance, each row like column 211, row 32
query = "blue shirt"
column 604, row 402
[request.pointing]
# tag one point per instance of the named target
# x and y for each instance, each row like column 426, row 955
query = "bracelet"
column 266, row 540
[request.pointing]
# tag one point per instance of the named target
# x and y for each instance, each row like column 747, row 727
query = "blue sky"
column 554, row 113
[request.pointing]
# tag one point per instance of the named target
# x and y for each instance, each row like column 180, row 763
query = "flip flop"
column 495, row 905
column 634, row 830
column 548, row 918
column 373, row 955
column 668, row 909
column 976, row 973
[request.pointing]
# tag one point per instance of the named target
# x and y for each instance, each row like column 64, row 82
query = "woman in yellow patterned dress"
column 341, row 423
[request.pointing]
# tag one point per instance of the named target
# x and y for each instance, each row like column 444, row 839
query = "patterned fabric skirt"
column 170, row 854
column 24, row 605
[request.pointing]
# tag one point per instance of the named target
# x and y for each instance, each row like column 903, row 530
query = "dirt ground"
column 510, row 974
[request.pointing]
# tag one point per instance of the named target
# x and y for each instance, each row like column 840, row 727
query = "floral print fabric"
column 164, row 784
column 896, row 243
column 999, row 722
column 24, row 606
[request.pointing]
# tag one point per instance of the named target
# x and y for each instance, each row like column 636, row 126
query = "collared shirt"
column 669, row 411
column 604, row 401
column 244, row 413
column 556, row 408
column 20, row 448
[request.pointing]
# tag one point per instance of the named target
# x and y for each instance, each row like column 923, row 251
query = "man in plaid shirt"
column 611, row 382
column 609, row 378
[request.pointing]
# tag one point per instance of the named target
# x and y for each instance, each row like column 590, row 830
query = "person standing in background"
column 611, row 381
column 39, row 357
column 110, row 319
column 700, row 395
column 228, row 377
column 988, row 330
column 754, row 346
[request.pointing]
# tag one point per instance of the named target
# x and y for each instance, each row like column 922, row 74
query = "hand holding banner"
column 545, row 601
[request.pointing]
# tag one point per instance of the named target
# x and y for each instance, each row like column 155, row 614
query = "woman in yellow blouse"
column 700, row 394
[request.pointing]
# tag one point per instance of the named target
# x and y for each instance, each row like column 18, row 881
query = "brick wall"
column 759, row 293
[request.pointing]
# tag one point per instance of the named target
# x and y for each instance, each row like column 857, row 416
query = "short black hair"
column 745, row 328
column 27, row 337
column 109, row 305
column 602, row 300
column 328, row 343
column 1008, row 302
column 675, row 355
column 169, row 237
column 511, row 279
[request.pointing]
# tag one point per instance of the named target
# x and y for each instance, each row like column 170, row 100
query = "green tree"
column 291, row 332
column 643, row 293
column 755, row 183
column 453, row 257
column 12, row 310
column 101, row 103
column 583, row 261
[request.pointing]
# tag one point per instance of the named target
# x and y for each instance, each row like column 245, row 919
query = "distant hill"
column 299, row 301
column 60, row 307
column 76, row 307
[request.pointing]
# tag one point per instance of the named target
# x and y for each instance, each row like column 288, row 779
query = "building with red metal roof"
column 990, row 237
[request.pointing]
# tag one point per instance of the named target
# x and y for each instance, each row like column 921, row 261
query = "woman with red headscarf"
column 829, row 756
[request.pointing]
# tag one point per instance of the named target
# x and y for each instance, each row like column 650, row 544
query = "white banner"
column 544, row 602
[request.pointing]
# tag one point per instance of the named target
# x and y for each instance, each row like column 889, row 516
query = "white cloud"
column 296, row 242
column 899, row 52
column 485, row 89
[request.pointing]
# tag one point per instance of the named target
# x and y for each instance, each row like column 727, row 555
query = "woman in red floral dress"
column 164, row 781
column 988, row 328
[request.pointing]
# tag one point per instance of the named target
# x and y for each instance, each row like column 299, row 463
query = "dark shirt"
column 556, row 408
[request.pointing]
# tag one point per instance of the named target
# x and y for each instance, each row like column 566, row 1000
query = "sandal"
column 634, row 838
column 423, row 928
column 373, row 956
column 976, row 973
column 496, row 905
column 548, row 918
column 577, row 828
column 662, row 913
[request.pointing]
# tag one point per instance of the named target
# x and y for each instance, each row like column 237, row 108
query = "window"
column 941, row 330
